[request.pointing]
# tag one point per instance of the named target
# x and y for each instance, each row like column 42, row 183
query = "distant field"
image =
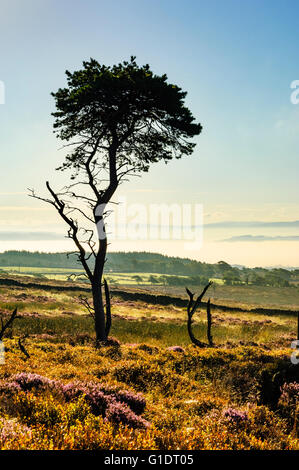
column 241, row 296
column 37, row 270
column 62, row 274
column 50, row 273
column 62, row 313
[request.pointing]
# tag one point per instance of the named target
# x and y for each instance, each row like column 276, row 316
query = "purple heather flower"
column 235, row 416
column 116, row 405
column 290, row 392
column 176, row 349
column 28, row 381
column 9, row 387
column 121, row 413
column 10, row 429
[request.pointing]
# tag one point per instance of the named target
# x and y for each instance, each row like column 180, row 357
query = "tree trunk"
column 99, row 311
column 209, row 322
column 97, row 293
column 102, row 326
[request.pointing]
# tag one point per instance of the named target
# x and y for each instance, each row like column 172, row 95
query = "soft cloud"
column 30, row 236
column 261, row 238
column 256, row 224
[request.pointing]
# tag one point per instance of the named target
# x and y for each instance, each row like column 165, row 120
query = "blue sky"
column 236, row 59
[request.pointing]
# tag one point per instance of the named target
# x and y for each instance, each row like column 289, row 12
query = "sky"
column 235, row 58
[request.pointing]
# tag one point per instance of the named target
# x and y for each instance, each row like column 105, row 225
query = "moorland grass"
column 156, row 333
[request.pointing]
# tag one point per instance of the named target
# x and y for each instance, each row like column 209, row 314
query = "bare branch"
column 73, row 230
column 8, row 323
column 191, row 308
column 22, row 347
column 84, row 301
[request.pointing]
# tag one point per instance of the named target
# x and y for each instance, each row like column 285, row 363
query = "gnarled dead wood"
column 8, row 323
column 191, row 309
column 108, row 321
column 22, row 347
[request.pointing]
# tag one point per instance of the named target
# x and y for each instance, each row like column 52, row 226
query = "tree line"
column 155, row 263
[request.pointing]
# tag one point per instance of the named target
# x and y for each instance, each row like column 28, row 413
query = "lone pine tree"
column 116, row 121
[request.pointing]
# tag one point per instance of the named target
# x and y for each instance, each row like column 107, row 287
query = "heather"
column 147, row 387
column 140, row 396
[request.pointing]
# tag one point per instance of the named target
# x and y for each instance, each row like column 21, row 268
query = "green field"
column 244, row 296
column 63, row 274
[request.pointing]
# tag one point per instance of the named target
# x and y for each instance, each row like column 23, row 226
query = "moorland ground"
column 241, row 394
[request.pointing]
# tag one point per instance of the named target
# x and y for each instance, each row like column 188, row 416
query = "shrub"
column 135, row 401
column 288, row 404
column 11, row 429
column 116, row 405
column 290, row 394
column 9, row 388
column 28, row 381
column 233, row 416
column 42, row 410
column 121, row 413
column 142, row 375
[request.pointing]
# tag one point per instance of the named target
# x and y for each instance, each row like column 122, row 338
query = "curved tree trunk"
column 209, row 321
column 102, row 314
column 97, row 293
column 192, row 337
column 99, row 312
column 102, row 325
column 108, row 309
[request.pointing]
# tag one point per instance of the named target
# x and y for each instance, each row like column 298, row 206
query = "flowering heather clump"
column 235, row 416
column 289, row 393
column 98, row 393
column 121, row 413
column 11, row 429
column 28, row 381
column 176, row 349
column 97, row 400
column 114, row 405
column 72, row 390
column 9, row 387
column 135, row 401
